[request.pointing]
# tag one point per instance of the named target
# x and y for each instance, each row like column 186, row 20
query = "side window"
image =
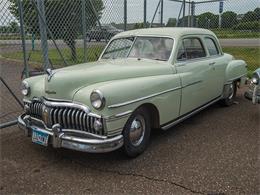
column 181, row 53
column 212, row 47
column 191, row 48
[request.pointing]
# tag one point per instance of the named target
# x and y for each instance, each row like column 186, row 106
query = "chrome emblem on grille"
column 45, row 115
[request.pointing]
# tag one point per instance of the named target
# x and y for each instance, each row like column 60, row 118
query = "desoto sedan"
column 144, row 79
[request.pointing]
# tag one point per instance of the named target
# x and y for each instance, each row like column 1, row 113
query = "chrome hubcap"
column 137, row 130
column 231, row 92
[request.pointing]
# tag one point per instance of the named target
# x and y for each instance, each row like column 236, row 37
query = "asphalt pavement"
column 214, row 152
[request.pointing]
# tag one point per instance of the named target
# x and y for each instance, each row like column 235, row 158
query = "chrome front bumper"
column 253, row 94
column 71, row 139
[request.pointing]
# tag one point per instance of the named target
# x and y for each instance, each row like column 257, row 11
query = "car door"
column 217, row 65
column 193, row 67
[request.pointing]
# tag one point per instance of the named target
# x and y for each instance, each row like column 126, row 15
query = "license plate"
column 39, row 137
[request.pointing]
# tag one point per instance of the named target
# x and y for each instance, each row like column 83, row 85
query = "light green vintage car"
column 144, row 79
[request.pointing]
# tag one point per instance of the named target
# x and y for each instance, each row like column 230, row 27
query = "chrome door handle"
column 212, row 63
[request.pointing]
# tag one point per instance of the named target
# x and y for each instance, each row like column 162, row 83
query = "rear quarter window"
column 191, row 48
column 211, row 46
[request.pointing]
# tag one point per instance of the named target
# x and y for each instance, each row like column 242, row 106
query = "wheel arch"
column 154, row 114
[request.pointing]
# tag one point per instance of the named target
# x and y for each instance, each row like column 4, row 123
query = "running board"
column 182, row 118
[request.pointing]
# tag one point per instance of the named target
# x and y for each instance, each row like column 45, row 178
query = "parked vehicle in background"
column 144, row 79
column 105, row 32
column 253, row 92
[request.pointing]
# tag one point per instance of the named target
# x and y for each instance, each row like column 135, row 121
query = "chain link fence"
column 59, row 33
column 40, row 34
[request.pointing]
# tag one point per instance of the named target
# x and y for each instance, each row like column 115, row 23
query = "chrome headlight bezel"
column 97, row 99
column 25, row 88
column 256, row 78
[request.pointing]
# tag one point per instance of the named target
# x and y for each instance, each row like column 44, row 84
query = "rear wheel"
column 137, row 133
column 232, row 90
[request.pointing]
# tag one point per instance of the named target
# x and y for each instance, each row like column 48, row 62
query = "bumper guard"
column 71, row 139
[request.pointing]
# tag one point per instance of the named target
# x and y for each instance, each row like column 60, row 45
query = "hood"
column 65, row 82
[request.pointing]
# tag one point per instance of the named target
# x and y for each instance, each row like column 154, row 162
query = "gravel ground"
column 214, row 152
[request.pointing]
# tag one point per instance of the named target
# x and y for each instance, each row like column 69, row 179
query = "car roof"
column 173, row 32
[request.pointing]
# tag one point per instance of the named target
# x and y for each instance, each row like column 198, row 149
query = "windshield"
column 156, row 48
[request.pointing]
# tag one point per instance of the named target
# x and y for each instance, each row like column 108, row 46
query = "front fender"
column 156, row 90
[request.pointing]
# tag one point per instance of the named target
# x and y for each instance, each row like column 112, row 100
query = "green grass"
column 36, row 56
column 233, row 34
column 250, row 55
column 14, row 37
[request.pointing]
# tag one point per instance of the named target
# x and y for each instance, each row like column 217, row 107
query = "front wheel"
column 137, row 133
column 232, row 90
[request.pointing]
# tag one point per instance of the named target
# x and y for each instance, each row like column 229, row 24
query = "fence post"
column 192, row 13
column 161, row 23
column 84, row 29
column 43, row 33
column 26, row 69
column 125, row 15
column 145, row 10
column 155, row 12
column 183, row 14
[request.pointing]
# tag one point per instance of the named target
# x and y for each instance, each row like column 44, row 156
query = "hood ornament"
column 50, row 73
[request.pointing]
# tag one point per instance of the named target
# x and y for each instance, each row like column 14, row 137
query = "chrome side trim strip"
column 143, row 98
column 190, row 114
column 118, row 116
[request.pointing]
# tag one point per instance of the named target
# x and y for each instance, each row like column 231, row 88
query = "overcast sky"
column 113, row 11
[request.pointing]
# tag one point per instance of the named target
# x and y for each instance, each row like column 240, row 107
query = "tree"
column 63, row 18
column 171, row 22
column 207, row 20
column 14, row 28
column 257, row 12
column 250, row 16
column 228, row 19
column 138, row 25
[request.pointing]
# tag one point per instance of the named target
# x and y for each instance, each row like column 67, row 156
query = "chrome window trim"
column 214, row 42
column 207, row 57
column 143, row 98
column 144, row 35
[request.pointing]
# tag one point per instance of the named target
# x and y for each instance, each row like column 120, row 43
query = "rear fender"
column 236, row 70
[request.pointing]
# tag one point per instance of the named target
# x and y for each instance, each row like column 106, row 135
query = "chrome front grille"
column 67, row 117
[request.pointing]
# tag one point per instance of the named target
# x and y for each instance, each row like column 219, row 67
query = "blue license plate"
column 39, row 137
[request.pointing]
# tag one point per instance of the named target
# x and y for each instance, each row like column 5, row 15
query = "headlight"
column 255, row 78
column 97, row 99
column 25, row 88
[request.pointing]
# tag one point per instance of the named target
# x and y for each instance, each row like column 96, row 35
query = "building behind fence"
column 55, row 33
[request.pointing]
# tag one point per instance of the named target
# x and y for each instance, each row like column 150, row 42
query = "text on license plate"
column 39, row 137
